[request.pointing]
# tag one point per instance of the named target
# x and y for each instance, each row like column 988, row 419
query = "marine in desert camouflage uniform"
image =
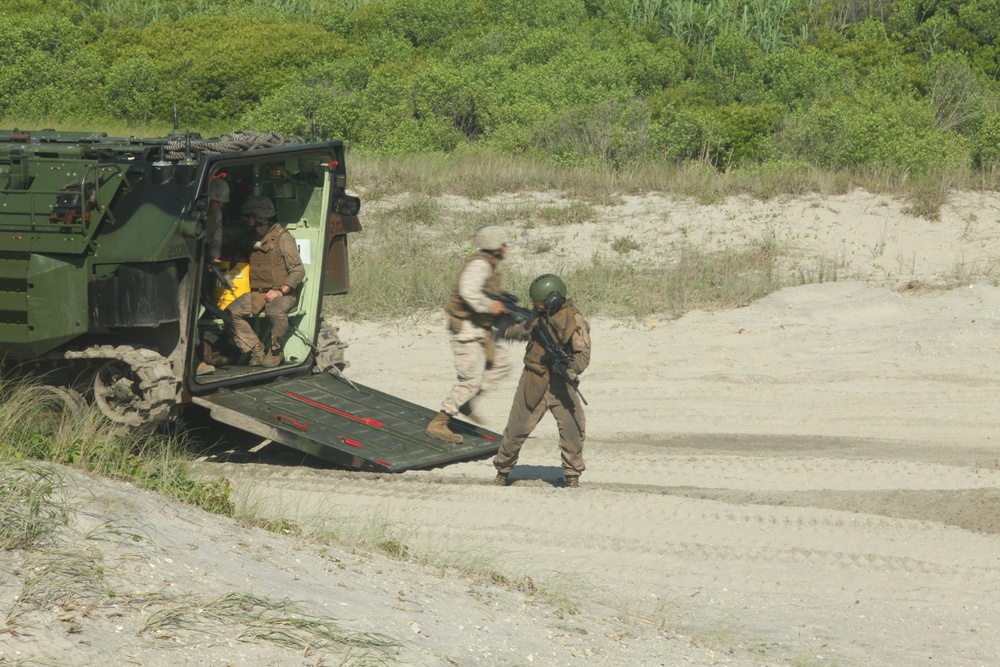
column 480, row 363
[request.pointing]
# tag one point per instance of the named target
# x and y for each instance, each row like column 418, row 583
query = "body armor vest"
column 562, row 328
column 267, row 266
column 458, row 310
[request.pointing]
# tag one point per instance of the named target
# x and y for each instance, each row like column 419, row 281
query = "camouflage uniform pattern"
column 479, row 364
column 284, row 268
column 541, row 392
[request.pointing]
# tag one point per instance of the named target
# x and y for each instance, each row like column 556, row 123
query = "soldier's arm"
column 580, row 345
column 293, row 262
column 471, row 286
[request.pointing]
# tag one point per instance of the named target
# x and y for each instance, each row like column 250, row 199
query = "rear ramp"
column 347, row 424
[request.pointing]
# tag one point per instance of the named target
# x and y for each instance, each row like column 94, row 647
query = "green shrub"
column 385, row 47
column 958, row 95
column 794, row 79
column 130, row 90
column 986, row 144
column 864, row 46
column 874, row 130
column 221, row 68
column 427, row 22
column 537, row 13
column 678, row 135
column 332, row 90
column 448, row 93
column 46, row 72
column 652, row 68
column 397, row 118
column 610, row 134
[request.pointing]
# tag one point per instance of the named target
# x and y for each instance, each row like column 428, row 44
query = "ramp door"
column 347, row 424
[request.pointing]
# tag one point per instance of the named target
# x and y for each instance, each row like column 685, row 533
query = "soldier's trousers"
column 564, row 403
column 473, row 374
column 252, row 303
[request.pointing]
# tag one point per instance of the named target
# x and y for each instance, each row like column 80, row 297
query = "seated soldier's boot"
column 204, row 368
column 257, row 355
column 438, row 428
column 218, row 359
column 273, row 360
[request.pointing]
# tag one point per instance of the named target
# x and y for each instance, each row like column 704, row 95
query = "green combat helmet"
column 259, row 207
column 550, row 289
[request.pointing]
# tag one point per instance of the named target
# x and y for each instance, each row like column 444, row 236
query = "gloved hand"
column 572, row 375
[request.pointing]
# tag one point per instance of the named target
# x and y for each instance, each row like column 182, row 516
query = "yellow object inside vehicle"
column 238, row 273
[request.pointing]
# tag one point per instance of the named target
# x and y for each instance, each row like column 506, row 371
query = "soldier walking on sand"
column 479, row 362
column 541, row 390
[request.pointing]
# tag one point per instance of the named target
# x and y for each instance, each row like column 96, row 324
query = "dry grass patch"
column 279, row 622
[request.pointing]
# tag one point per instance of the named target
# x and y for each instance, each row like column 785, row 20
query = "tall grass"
column 405, row 262
column 697, row 23
column 136, row 13
column 699, row 280
column 38, row 425
column 481, row 175
column 398, row 277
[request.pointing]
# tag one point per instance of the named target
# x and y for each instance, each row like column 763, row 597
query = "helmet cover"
column 218, row 190
column 259, row 207
column 491, row 237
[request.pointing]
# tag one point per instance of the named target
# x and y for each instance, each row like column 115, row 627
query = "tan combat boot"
column 257, row 355
column 274, row 359
column 438, row 428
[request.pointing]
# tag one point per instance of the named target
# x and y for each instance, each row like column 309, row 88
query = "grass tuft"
column 38, row 425
column 31, row 506
column 279, row 622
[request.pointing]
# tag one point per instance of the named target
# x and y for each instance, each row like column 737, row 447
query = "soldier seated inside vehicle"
column 276, row 271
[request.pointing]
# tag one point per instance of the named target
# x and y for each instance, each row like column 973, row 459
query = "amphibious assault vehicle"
column 106, row 294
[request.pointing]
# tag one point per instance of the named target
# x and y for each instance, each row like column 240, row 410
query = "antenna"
column 314, row 126
column 176, row 124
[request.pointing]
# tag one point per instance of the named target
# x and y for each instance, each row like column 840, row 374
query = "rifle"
column 210, row 306
column 555, row 355
column 226, row 281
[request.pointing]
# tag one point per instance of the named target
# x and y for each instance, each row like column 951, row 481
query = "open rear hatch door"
column 344, row 423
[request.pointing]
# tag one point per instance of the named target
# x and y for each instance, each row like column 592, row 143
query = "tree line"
column 907, row 86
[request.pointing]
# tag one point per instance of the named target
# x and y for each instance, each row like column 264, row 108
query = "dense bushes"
column 905, row 85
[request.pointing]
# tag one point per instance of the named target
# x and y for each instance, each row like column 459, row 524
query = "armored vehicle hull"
column 109, row 289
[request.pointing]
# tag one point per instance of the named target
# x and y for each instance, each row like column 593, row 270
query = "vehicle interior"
column 300, row 187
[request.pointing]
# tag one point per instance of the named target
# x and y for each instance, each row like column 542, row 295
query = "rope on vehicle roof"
column 244, row 140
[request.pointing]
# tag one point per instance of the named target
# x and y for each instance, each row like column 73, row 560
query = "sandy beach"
column 810, row 480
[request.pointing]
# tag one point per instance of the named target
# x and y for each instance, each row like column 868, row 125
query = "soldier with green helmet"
column 480, row 363
column 541, row 390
